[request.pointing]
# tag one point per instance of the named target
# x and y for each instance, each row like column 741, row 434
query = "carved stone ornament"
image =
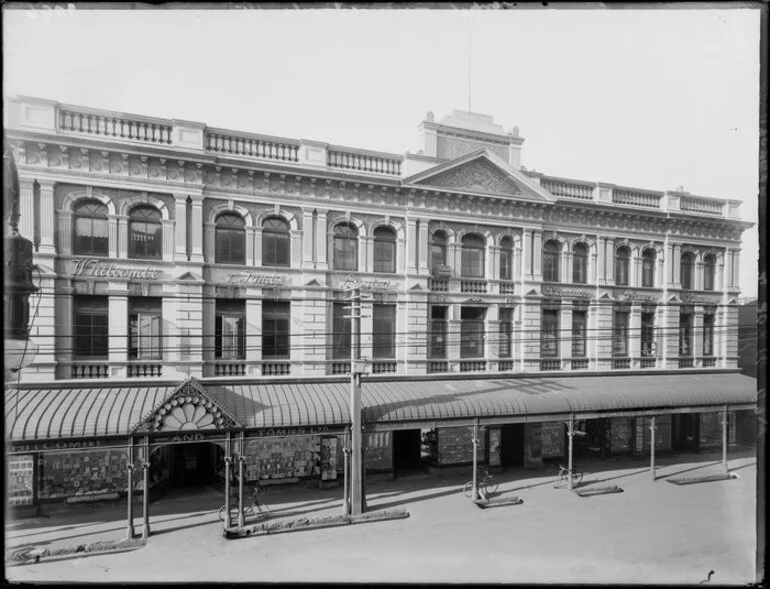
column 477, row 176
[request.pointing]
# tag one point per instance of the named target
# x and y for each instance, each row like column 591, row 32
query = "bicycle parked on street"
column 563, row 476
column 486, row 486
column 255, row 510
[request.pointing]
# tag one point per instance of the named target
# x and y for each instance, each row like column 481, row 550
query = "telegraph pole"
column 356, row 462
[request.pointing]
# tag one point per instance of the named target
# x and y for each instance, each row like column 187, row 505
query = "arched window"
column 506, row 258
column 472, row 259
column 438, row 250
column 276, row 242
column 551, row 254
column 230, row 244
column 622, row 257
column 709, row 266
column 648, row 268
column 384, row 249
column 90, row 229
column 145, row 233
column 345, row 247
column 687, row 267
column 580, row 263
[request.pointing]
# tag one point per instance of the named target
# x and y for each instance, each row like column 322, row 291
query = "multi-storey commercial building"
column 192, row 298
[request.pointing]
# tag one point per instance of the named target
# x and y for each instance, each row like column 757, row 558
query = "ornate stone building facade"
column 168, row 250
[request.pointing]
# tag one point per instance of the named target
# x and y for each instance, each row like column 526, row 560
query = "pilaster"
column 423, row 246
column 411, row 246
column 208, row 251
column 676, row 262
column 253, row 329
column 118, row 325
column 609, row 276
column 526, row 254
column 197, row 229
column 322, row 241
column 180, row 234
column 64, row 220
column 253, row 238
column 308, row 236
column 168, row 238
column 47, row 218
column 697, row 331
column 122, row 246
column 537, row 255
column 565, row 331
column 600, row 260
column 635, row 332
column 295, row 251
column 208, row 327
column 27, row 208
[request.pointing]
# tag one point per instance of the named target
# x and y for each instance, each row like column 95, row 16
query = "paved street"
column 651, row 533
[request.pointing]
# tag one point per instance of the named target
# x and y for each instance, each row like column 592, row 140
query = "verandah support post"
column 146, row 485
column 724, row 439
column 346, row 475
column 570, row 434
column 130, row 490
column 228, row 473
column 652, row 447
column 474, row 492
column 240, row 483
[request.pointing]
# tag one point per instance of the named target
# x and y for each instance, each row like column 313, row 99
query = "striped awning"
column 65, row 411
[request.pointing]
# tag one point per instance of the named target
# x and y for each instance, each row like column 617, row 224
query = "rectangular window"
column 472, row 332
column 384, row 331
column 145, row 321
column 384, row 256
column 341, row 331
column 549, row 333
column 550, row 267
column 472, row 262
column 90, row 327
column 506, row 265
column 648, row 273
column 438, row 332
column 621, row 271
column 620, row 334
column 579, row 322
column 230, row 330
column 708, row 334
column 648, row 334
column 685, row 332
column 579, row 269
column 506, row 333
column 276, row 318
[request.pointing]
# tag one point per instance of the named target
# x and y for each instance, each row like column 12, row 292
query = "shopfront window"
column 622, row 257
column 549, row 333
column 384, row 327
column 472, row 264
column 505, row 345
column 276, row 319
column 384, row 249
column 438, row 331
column 551, row 254
column 276, row 240
column 145, row 321
column 90, row 229
column 340, row 331
column 580, row 263
column 345, row 247
column 506, row 258
column 90, row 327
column 145, row 233
column 472, row 332
column 648, row 268
column 230, row 330
column 230, row 239
column 579, row 323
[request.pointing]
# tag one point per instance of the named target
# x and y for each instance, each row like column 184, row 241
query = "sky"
column 646, row 98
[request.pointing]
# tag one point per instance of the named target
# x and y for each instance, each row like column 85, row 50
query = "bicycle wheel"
column 491, row 488
column 468, row 488
column 577, row 477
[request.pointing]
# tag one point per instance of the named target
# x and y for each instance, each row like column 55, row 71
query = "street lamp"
column 18, row 266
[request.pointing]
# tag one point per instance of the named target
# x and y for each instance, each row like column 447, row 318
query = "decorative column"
column 453, row 335
column 168, row 238
column 170, row 344
column 592, row 277
column 253, row 329
column 112, row 228
column 491, row 254
column 698, row 278
column 209, row 309
column 47, row 217
column 635, row 334
column 676, row 263
column 566, row 267
column 537, row 254
column 517, row 273
column 207, row 253
column 635, row 279
column 365, row 253
column 197, row 229
column 118, row 322
column 609, row 268
column 254, row 246
column 308, row 230
column 64, row 220
column 411, row 246
column 720, row 273
column 180, row 233
column 322, row 241
column 295, row 235
column 423, row 246
column 736, row 273
column 565, row 337
column 122, row 245
column 600, row 259
column 697, row 336
column 660, row 272
column 27, row 208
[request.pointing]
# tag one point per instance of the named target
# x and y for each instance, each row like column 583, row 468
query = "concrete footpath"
column 705, row 523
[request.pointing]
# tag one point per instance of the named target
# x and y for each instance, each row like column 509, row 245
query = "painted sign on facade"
column 59, row 445
column 560, row 291
column 256, row 278
column 699, row 299
column 353, row 282
column 637, row 296
column 91, row 267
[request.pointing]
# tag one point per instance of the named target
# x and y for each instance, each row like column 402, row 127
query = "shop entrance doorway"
column 512, row 445
column 195, row 464
column 685, row 434
column 406, row 449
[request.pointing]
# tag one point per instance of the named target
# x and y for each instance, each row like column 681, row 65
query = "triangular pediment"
column 480, row 172
column 190, row 277
column 188, row 408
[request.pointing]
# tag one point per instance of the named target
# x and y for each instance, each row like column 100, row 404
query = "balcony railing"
column 438, row 284
column 685, row 362
column 637, row 199
column 569, row 190
column 252, row 146
column 115, row 127
column 144, row 369
column 550, row 364
column 648, row 362
column 709, row 362
column 363, row 162
column 473, row 286
column 230, row 369
column 621, row 363
column 387, row 367
column 276, row 368
column 505, row 365
column 473, row 366
column 340, row 368
column 438, row 366
column 91, row 370
column 694, row 204
column 579, row 363
column 507, row 287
